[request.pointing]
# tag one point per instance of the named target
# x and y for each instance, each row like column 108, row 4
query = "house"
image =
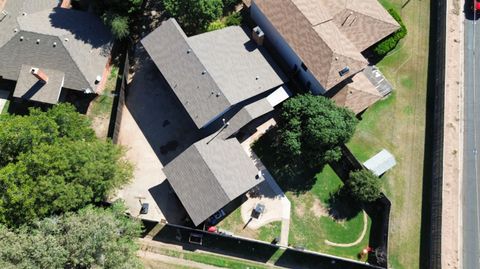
column 321, row 41
column 225, row 82
column 49, row 52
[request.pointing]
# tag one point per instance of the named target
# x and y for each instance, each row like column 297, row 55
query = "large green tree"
column 364, row 186
column 312, row 128
column 52, row 163
column 91, row 238
column 194, row 15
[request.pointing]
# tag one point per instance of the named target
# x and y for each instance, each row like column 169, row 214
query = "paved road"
column 471, row 206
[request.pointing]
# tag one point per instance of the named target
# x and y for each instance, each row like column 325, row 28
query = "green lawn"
column 398, row 125
column 311, row 221
column 5, row 108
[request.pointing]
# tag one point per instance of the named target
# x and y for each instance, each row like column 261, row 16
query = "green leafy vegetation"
column 5, row 108
column 364, row 186
column 389, row 43
column 194, row 15
column 51, row 163
column 235, row 18
column 117, row 14
column 91, row 238
column 311, row 130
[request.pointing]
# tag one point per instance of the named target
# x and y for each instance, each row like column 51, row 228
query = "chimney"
column 39, row 74
column 258, row 36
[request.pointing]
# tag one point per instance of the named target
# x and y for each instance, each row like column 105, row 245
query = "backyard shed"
column 381, row 162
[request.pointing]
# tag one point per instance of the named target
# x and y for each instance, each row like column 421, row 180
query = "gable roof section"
column 30, row 88
column 358, row 95
column 365, row 23
column 213, row 71
column 83, row 57
column 206, row 177
column 323, row 57
column 185, row 73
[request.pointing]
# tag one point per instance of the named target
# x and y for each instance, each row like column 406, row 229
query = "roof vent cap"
column 188, row 51
column 21, row 38
column 98, row 79
column 257, row 77
column 38, row 41
column 66, row 39
column 54, row 44
column 15, row 30
column 204, row 72
column 24, row 13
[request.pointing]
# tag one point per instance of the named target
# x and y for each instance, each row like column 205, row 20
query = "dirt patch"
column 100, row 126
column 300, row 210
column 318, row 209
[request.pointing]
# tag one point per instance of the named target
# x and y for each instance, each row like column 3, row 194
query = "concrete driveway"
column 155, row 129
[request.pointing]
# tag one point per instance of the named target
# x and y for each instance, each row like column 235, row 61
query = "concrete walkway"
column 3, row 99
column 268, row 193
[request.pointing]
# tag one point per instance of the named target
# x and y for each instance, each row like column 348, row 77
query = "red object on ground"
column 476, row 5
column 212, row 229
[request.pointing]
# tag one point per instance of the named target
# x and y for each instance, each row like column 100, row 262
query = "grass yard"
column 234, row 223
column 312, row 220
column 101, row 107
column 398, row 124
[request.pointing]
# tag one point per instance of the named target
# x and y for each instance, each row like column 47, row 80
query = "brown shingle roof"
column 358, row 95
column 329, row 35
column 319, row 52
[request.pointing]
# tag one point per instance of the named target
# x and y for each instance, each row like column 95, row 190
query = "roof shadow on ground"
column 168, row 203
column 159, row 114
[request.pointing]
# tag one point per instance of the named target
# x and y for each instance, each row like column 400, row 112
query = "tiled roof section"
column 212, row 71
column 358, row 95
column 206, row 177
column 240, row 68
column 87, row 50
column 89, row 41
column 28, row 87
column 315, row 52
column 185, row 73
column 15, row 53
column 365, row 23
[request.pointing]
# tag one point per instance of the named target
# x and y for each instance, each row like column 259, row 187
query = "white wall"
column 288, row 54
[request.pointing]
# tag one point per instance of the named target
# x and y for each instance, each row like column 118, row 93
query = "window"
column 344, row 71
column 304, row 67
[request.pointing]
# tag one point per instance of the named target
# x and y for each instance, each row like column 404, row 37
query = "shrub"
column 364, row 186
column 389, row 43
column 234, row 19
column 216, row 25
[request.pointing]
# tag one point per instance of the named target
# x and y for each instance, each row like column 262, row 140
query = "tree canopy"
column 194, row 15
column 364, row 186
column 91, row 238
column 312, row 128
column 51, row 162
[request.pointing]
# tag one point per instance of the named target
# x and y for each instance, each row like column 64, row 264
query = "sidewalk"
column 453, row 138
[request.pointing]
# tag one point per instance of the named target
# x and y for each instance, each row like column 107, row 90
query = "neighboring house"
column 48, row 51
column 321, row 41
column 224, row 81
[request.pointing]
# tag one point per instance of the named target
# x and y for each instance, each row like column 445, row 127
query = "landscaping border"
column 431, row 229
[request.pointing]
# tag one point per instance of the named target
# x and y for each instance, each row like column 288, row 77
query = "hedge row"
column 389, row 43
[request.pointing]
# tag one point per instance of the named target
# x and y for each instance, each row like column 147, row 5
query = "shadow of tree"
column 291, row 175
column 341, row 206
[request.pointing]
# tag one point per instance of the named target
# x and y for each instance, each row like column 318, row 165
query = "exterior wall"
column 287, row 53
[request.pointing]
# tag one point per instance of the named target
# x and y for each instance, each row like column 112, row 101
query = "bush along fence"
column 390, row 42
column 378, row 211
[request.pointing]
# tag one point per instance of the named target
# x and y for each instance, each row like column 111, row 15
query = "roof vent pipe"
column 54, row 44
column 21, row 38
column 38, row 41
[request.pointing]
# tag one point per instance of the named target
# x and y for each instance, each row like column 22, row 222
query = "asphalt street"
column 471, row 254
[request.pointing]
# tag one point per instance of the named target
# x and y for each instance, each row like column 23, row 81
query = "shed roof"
column 380, row 163
column 30, row 88
column 212, row 71
column 206, row 177
column 82, row 42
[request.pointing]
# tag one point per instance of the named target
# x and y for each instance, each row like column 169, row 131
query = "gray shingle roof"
column 82, row 41
column 212, row 71
column 206, row 177
column 30, row 88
